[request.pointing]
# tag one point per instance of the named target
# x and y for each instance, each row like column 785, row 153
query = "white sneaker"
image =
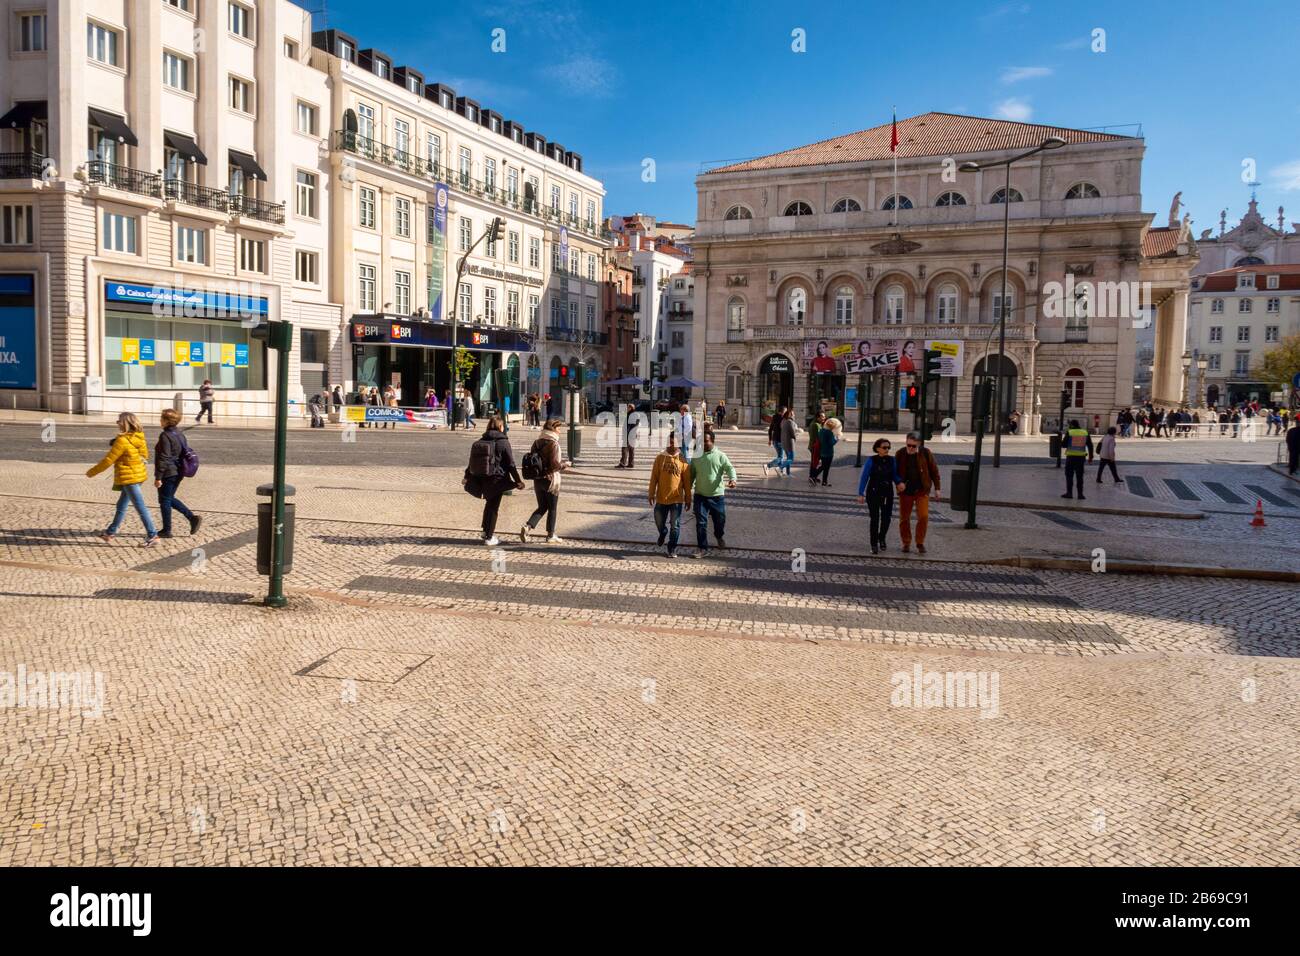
column 555, row 539
column 523, row 533
column 491, row 542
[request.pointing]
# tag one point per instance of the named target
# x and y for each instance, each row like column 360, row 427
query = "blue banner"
column 17, row 331
column 188, row 302
column 196, row 353
column 241, row 355
column 437, row 250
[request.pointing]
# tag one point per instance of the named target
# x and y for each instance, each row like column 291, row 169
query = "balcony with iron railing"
column 681, row 315
column 23, row 165
column 124, row 178
column 254, row 208
column 793, row 333
column 193, row 194
column 623, row 303
column 375, row 151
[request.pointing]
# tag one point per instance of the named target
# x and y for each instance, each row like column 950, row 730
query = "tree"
column 1280, row 364
column 464, row 362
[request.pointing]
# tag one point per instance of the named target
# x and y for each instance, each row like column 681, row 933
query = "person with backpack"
column 491, row 473
column 545, row 466
column 128, row 455
column 670, row 492
column 173, row 461
column 876, row 491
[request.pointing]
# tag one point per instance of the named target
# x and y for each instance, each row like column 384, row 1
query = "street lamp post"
column 1187, row 378
column 495, row 229
column 1202, row 363
column 1052, row 142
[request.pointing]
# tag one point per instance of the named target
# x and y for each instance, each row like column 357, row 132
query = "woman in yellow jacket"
column 128, row 455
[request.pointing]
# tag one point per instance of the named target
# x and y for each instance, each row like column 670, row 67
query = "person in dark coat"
column 1293, row 449
column 492, row 487
column 167, row 472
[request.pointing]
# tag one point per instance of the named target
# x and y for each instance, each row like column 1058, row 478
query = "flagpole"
column 894, row 150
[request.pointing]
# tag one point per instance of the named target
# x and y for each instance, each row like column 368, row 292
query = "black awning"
column 114, row 126
column 185, row 146
column 248, row 164
column 21, row 116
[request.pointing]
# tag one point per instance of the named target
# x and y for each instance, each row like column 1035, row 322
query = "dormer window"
column 1246, row 280
column 1272, row 282
column 381, row 69
column 413, row 84
column 347, row 51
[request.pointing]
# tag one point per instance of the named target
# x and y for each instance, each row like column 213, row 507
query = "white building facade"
column 421, row 174
column 163, row 189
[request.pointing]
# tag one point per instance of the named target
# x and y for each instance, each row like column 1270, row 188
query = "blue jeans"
column 167, row 500
column 132, row 495
column 779, row 461
column 668, row 519
column 704, row 507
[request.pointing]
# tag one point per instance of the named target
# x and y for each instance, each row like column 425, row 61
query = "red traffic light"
column 564, row 371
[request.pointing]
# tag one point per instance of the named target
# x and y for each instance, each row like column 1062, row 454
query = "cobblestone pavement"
column 344, row 732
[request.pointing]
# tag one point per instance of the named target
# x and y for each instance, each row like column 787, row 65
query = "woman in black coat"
column 493, row 486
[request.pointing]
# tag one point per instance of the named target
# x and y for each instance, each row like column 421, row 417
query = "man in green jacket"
column 711, row 473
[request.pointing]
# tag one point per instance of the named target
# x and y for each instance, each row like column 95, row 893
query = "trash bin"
column 265, row 529
column 1054, row 446
column 575, row 443
column 959, row 487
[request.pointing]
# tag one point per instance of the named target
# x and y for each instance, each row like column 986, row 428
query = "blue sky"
column 710, row 80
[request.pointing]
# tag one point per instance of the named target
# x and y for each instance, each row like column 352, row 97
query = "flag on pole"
column 893, row 138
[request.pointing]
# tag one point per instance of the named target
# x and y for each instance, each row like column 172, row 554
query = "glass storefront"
column 878, row 398
column 825, row 394
column 144, row 352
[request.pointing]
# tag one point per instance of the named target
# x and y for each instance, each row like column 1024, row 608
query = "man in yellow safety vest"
column 1078, row 449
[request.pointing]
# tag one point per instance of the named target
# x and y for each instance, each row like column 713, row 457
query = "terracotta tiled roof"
column 1161, row 242
column 930, row 134
column 1225, row 280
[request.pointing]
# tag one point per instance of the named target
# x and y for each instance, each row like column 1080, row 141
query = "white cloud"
column 1014, row 74
column 1286, row 177
column 584, row 75
column 1014, row 108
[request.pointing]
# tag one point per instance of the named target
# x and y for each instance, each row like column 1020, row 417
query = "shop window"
column 142, row 351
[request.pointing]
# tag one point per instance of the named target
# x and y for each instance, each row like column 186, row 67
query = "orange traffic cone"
column 1258, row 520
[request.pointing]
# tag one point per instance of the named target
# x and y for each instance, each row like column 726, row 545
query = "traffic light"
column 276, row 335
column 498, row 229
column 564, row 373
column 911, row 402
column 933, row 365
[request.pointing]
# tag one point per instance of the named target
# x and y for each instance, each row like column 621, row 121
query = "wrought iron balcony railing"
column 205, row 197
column 562, row 333
column 254, row 208
column 124, row 178
column 24, row 165
column 371, row 149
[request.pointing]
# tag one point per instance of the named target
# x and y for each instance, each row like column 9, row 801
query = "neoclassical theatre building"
column 814, row 245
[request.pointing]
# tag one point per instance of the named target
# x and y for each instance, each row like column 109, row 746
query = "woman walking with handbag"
column 171, row 458
column 128, row 455
column 544, row 465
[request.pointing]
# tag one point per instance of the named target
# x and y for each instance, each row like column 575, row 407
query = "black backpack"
column 531, row 465
column 483, row 459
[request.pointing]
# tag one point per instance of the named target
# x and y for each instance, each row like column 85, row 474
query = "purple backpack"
column 189, row 461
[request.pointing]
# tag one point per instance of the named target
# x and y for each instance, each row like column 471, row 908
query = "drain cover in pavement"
column 358, row 663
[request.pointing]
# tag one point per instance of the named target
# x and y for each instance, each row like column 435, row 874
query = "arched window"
column 1083, row 191
column 735, row 385
column 902, row 202
column 1002, row 194
column 846, row 205
column 844, row 305
column 738, row 212
column 1074, row 386
column 945, row 302
column 736, row 320
column 796, row 306
column 895, row 300
column 798, row 209
column 950, row 199
column 1249, row 261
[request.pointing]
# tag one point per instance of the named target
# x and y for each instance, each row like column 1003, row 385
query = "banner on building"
column 227, row 354
column 197, row 354
column 17, row 331
column 954, row 355
column 437, row 255
column 859, row 356
column 181, row 356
